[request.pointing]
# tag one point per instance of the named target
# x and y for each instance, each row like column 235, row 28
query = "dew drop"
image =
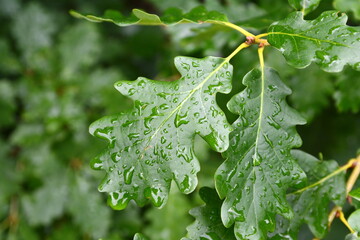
column 180, row 119
column 128, row 175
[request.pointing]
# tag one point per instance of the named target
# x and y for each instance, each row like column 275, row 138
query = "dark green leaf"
column 208, row 224
column 327, row 40
column 170, row 17
column 312, row 205
column 354, row 220
column 348, row 6
column 7, row 104
column 347, row 95
column 153, row 143
column 259, row 167
column 305, row 6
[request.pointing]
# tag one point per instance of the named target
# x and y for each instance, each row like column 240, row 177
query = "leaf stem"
column 233, row 26
column 340, row 214
column 337, row 212
column 354, row 175
column 261, row 35
column 339, row 170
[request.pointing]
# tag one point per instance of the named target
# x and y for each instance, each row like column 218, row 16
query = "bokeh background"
column 57, row 75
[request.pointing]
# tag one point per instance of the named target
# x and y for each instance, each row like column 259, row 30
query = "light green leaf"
column 45, row 203
column 208, row 223
column 32, row 34
column 305, row 6
column 259, row 167
column 312, row 205
column 78, row 48
column 347, row 95
column 327, row 40
column 169, row 223
column 347, row 6
column 88, row 209
column 153, row 143
column 170, row 17
column 140, row 236
column 354, row 220
column 352, row 236
column 355, row 194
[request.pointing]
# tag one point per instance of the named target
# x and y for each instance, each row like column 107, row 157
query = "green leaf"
column 208, row 223
column 312, row 91
column 347, row 95
column 7, row 104
column 153, row 143
column 354, row 220
column 33, row 34
column 47, row 202
column 352, row 236
column 259, row 167
column 312, row 205
column 88, row 208
column 79, row 44
column 355, row 194
column 140, row 236
column 305, row 6
column 327, row 40
column 9, row 64
column 170, row 17
column 170, row 221
column 347, row 6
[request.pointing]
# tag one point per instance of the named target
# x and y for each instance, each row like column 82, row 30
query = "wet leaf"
column 259, row 167
column 170, row 16
column 313, row 205
column 208, row 224
column 153, row 143
column 348, row 6
column 354, row 220
column 305, row 6
column 327, row 40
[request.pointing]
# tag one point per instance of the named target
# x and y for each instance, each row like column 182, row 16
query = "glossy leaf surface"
column 327, row 40
column 305, row 6
column 208, row 224
column 313, row 205
column 354, row 220
column 355, row 194
column 153, row 143
column 259, row 167
column 170, row 17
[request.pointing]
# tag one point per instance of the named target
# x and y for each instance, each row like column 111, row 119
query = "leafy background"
column 57, row 75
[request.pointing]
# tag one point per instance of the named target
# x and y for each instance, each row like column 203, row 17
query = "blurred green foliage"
column 57, row 75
